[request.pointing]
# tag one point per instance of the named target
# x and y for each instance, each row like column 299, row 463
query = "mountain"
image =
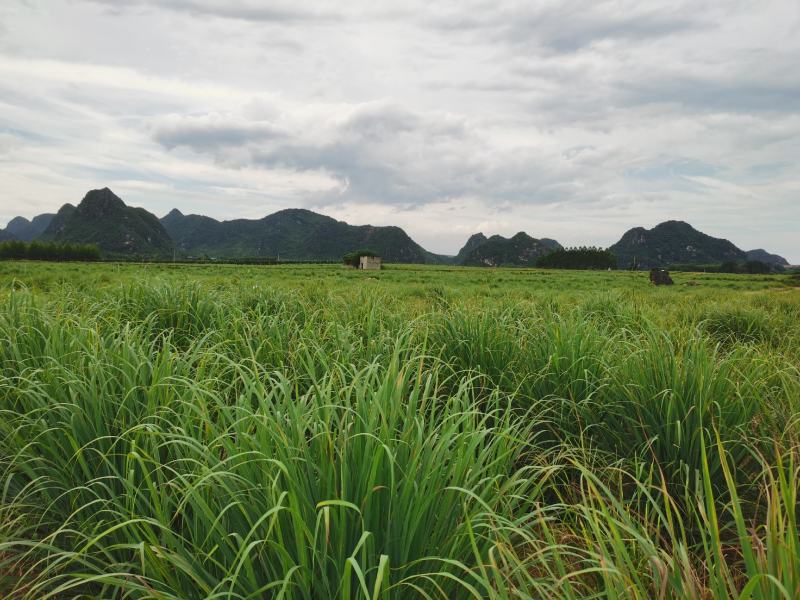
column 765, row 257
column 291, row 234
column 552, row 244
column 473, row 242
column 673, row 243
column 102, row 218
column 521, row 250
column 22, row 229
column 58, row 223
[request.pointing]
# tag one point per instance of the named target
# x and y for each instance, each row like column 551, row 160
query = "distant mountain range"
column 102, row 218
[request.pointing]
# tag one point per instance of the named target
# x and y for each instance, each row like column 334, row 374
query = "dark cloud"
column 212, row 134
column 669, row 168
column 275, row 12
column 704, row 94
column 570, row 25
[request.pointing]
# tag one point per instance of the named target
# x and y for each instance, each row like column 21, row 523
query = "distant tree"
column 13, row 250
column 578, row 258
column 729, row 267
column 751, row 267
column 756, row 267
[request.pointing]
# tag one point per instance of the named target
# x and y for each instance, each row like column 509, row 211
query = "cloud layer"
column 568, row 119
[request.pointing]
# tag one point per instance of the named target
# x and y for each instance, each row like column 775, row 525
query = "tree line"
column 55, row 251
column 583, row 257
column 750, row 267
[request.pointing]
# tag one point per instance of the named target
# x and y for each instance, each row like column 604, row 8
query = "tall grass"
column 174, row 441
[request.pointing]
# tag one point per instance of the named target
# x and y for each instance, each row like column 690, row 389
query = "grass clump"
column 731, row 327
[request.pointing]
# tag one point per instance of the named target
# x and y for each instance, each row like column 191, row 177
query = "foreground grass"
column 314, row 433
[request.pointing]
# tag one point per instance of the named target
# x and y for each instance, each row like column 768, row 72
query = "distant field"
column 314, row 432
column 407, row 280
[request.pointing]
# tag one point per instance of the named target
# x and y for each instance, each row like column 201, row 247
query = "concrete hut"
column 370, row 263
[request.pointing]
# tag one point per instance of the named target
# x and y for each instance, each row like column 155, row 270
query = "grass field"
column 183, row 432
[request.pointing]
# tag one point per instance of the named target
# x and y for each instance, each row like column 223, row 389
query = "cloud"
column 380, row 151
column 570, row 119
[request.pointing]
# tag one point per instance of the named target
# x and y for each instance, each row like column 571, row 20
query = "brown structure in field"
column 371, row 263
column 660, row 277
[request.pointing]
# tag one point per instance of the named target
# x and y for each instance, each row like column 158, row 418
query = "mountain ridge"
column 292, row 233
column 27, row 230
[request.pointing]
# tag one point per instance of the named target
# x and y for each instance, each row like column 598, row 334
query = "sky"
column 571, row 119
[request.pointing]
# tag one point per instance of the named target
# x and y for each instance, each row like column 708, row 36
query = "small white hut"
column 371, row 263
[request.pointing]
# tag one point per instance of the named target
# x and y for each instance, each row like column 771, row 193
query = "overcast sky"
column 571, row 119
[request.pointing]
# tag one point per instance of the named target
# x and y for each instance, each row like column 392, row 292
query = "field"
column 312, row 432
